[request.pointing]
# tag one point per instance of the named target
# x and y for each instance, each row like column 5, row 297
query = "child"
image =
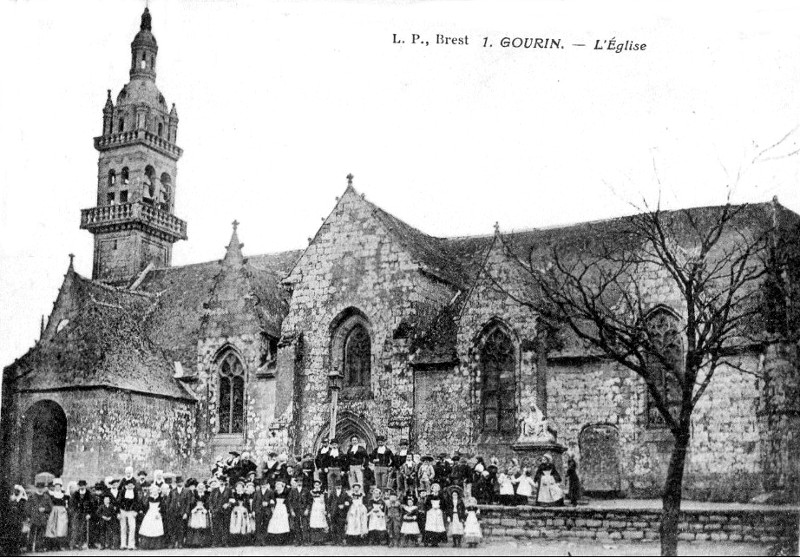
column 472, row 529
column 573, row 481
column 318, row 522
column 394, row 519
column 107, row 514
column 506, row 492
column 457, row 517
column 356, row 517
column 525, row 487
column 435, row 507
column 199, row 532
column 410, row 528
column 407, row 476
column 423, row 497
column 426, row 473
column 376, row 519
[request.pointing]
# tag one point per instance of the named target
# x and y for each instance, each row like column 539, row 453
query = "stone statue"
column 534, row 427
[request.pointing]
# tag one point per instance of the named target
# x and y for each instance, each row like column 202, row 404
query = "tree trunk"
column 673, row 493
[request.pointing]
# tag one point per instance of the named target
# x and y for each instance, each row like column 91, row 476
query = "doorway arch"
column 45, row 438
column 348, row 425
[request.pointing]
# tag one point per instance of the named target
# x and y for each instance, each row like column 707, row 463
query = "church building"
column 390, row 330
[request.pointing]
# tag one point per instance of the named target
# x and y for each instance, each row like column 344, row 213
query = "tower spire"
column 147, row 20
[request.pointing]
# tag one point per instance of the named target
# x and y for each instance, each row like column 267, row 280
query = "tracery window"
column 231, row 395
column 357, row 357
column 667, row 340
column 498, row 387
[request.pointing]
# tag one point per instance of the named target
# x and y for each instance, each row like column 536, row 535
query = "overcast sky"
column 279, row 101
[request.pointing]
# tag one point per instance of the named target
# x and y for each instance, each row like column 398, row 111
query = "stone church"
column 161, row 366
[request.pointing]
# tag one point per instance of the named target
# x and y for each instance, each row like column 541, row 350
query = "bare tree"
column 607, row 286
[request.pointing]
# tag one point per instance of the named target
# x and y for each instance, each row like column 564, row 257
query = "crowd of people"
column 337, row 497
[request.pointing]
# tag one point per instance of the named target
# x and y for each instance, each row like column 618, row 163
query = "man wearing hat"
column 441, row 471
column 397, row 480
column 220, row 511
column 357, row 459
column 179, row 504
column 129, row 506
column 338, row 506
column 382, row 458
column 39, row 506
column 81, row 506
column 320, row 472
column 335, row 462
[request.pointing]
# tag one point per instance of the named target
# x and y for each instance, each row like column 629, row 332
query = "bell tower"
column 133, row 221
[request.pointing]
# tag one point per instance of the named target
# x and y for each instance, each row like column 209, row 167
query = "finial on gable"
column 71, row 260
column 497, row 227
column 235, row 225
column 350, row 179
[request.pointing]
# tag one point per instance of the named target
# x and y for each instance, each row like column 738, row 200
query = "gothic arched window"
column 357, row 357
column 665, row 335
column 112, row 177
column 498, row 386
column 125, row 175
column 231, row 395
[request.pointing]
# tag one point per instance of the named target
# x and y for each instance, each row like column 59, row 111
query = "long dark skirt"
column 150, row 543
column 198, row 538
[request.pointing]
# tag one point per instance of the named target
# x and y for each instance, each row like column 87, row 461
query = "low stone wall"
column 769, row 527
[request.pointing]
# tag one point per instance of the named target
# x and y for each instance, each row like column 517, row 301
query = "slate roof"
column 182, row 291
column 103, row 344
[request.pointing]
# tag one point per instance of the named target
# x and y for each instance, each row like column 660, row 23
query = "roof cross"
column 350, row 179
column 235, row 225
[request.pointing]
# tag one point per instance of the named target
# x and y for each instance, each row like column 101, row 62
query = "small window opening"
column 110, row 198
column 123, row 196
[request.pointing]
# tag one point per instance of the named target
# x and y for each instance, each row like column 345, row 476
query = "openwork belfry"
column 157, row 366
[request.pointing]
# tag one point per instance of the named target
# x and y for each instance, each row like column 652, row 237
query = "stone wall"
column 355, row 265
column 723, row 461
column 486, row 306
column 108, row 430
column 769, row 527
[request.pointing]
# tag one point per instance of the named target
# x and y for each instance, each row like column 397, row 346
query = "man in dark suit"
column 299, row 505
column 220, row 507
column 382, row 459
column 81, row 508
column 263, row 512
column 179, row 504
column 338, row 506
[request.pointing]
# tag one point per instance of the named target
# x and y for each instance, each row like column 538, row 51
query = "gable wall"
column 355, row 263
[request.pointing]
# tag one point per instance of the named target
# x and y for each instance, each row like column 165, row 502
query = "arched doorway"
column 347, row 426
column 46, row 437
column 600, row 466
